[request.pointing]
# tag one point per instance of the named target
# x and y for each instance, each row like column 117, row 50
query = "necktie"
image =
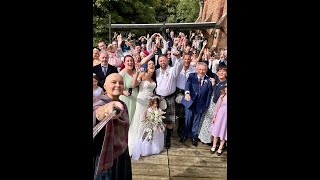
column 199, row 82
column 104, row 70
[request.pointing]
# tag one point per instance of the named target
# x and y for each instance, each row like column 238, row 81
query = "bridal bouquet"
column 152, row 123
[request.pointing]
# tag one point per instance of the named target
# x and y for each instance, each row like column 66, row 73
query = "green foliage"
column 122, row 12
column 187, row 11
column 140, row 11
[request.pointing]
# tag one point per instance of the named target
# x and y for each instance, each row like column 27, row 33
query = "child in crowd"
column 151, row 141
column 218, row 128
column 97, row 90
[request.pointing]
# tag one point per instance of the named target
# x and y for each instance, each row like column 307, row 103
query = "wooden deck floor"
column 181, row 161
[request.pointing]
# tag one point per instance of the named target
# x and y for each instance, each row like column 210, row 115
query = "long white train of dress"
column 145, row 92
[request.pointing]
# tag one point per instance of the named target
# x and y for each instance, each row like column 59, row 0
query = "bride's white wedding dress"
column 146, row 89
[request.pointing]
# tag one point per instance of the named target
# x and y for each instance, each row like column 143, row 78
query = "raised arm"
column 135, row 81
column 164, row 43
column 201, row 52
column 178, row 63
column 151, row 54
column 149, row 42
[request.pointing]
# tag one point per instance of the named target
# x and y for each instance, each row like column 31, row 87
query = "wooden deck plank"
column 152, row 159
column 197, row 172
column 148, row 177
column 181, row 162
column 151, row 169
column 188, row 144
column 198, row 161
column 196, row 178
column 193, row 152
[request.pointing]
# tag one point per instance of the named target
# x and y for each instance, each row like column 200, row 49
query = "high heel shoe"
column 219, row 153
column 212, row 150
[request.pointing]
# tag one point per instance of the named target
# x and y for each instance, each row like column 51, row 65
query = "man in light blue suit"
column 198, row 91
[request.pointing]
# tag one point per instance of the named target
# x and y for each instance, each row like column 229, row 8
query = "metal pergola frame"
column 205, row 25
column 163, row 26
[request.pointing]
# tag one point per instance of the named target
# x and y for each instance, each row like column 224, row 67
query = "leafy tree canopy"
column 140, row 11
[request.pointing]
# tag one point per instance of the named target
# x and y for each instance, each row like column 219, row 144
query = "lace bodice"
column 147, row 87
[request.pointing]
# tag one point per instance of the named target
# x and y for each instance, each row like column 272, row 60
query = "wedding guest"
column 97, row 90
column 110, row 145
column 96, row 59
column 103, row 69
column 151, row 140
column 198, row 89
column 218, row 128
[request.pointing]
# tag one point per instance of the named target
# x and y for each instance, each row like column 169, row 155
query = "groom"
column 198, row 91
column 166, row 87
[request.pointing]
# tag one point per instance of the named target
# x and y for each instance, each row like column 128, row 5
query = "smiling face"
column 95, row 53
column 163, row 61
column 202, row 70
column 114, row 86
column 102, row 46
column 150, row 67
column 187, row 60
column 104, row 58
column 222, row 73
column 129, row 62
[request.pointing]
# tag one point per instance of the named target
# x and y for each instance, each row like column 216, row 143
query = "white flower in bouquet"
column 152, row 123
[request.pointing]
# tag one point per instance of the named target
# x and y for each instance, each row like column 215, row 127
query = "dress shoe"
column 224, row 148
column 183, row 139
column 219, row 153
column 195, row 142
column 168, row 138
column 213, row 150
column 179, row 132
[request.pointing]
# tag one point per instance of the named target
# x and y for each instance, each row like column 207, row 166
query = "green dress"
column 130, row 101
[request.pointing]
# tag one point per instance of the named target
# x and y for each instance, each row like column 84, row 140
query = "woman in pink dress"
column 218, row 128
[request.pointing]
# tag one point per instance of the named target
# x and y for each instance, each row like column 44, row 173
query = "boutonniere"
column 206, row 81
column 166, row 74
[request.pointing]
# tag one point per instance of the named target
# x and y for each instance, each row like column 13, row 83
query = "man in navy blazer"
column 104, row 69
column 197, row 97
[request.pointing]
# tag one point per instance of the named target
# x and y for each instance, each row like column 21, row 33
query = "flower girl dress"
column 151, row 141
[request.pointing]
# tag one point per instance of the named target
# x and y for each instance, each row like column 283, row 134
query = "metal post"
column 164, row 31
column 110, row 40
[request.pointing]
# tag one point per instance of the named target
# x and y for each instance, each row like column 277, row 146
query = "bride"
column 147, row 85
